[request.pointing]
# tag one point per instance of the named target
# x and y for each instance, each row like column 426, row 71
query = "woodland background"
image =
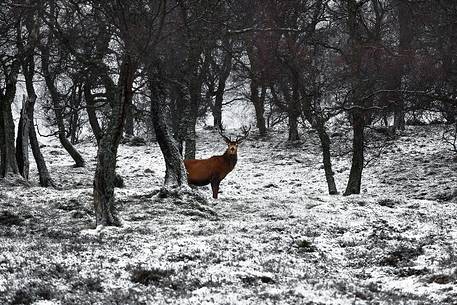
column 351, row 97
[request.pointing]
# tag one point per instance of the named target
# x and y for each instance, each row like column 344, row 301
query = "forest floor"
column 277, row 238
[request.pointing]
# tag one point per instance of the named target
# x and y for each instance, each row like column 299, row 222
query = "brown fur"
column 212, row 170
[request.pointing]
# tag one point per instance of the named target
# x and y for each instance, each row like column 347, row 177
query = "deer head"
column 232, row 148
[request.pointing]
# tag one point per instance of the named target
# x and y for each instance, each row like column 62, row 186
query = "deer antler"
column 245, row 131
column 226, row 139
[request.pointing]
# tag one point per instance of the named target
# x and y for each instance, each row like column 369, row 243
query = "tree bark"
column 28, row 68
column 58, row 111
column 259, row 106
column 22, row 140
column 92, row 115
column 404, row 15
column 357, row 115
column 8, row 163
column 43, row 173
column 318, row 123
column 191, row 122
column 74, row 120
column 293, row 114
column 219, row 94
column 129, row 125
column 355, row 175
column 326, row 159
column 104, row 203
column 175, row 174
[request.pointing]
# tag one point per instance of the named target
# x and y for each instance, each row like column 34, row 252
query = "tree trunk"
column 358, row 114
column 43, row 173
column 259, row 106
column 293, row 114
column 58, row 111
column 8, row 163
column 90, row 109
column 191, row 122
column 405, row 40
column 219, row 97
column 105, row 211
column 217, row 110
column 355, row 176
column 318, row 123
column 74, row 115
column 175, row 174
column 26, row 130
column 129, row 125
column 22, row 140
column 326, row 158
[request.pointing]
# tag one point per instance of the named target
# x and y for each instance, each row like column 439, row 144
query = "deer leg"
column 215, row 187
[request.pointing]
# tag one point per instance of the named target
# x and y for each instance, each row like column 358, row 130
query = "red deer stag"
column 214, row 169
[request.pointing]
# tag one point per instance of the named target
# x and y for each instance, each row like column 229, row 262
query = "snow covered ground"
column 277, row 238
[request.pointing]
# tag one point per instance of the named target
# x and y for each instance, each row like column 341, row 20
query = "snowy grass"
column 277, row 238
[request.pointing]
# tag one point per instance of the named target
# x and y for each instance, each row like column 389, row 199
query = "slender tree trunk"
column 175, row 174
column 319, row 124
column 26, row 128
column 92, row 115
column 22, row 140
column 219, row 97
column 58, row 111
column 405, row 40
column 8, row 163
column 74, row 116
column 358, row 115
column 326, row 159
column 217, row 111
column 191, row 136
column 43, row 173
column 259, row 106
column 355, row 176
column 129, row 125
column 107, row 149
column 293, row 114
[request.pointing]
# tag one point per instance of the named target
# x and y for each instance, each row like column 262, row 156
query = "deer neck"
column 231, row 159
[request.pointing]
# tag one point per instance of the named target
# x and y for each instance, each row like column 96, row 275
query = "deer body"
column 215, row 169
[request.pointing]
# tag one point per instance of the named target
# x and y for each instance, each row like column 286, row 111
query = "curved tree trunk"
column 55, row 97
column 105, row 211
column 90, row 109
column 318, row 123
column 326, row 158
column 43, row 173
column 175, row 174
column 29, row 72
